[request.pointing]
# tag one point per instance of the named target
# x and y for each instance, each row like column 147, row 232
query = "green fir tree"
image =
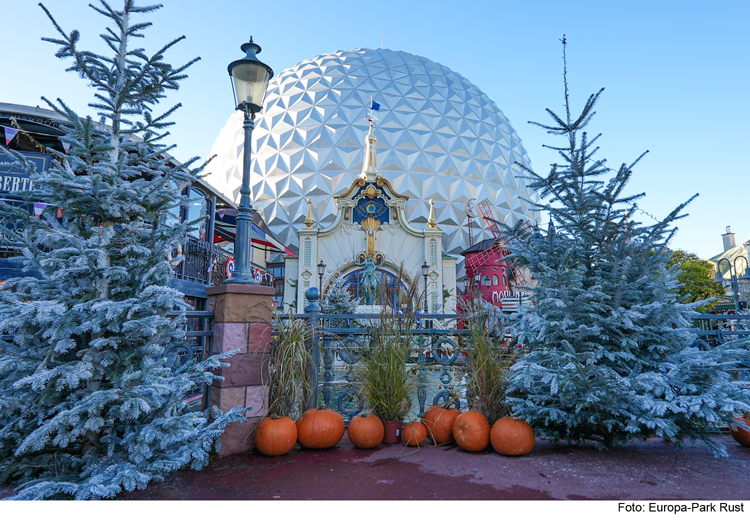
column 612, row 356
column 339, row 299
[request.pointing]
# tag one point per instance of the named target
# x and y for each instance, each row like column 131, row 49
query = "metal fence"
column 198, row 345
column 716, row 329
column 338, row 342
column 436, row 358
column 206, row 263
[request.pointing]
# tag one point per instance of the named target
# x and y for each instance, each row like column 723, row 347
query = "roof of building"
column 737, row 256
column 480, row 246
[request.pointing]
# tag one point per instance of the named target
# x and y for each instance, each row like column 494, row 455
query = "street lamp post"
column 425, row 272
column 321, row 272
column 734, row 279
column 250, row 79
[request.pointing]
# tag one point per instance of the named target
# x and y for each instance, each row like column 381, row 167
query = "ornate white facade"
column 441, row 139
column 371, row 222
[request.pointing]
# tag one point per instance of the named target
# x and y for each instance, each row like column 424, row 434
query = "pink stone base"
column 241, row 303
column 253, row 396
column 238, row 438
column 249, row 367
column 242, row 320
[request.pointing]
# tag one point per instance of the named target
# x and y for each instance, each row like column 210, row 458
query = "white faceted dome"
column 439, row 137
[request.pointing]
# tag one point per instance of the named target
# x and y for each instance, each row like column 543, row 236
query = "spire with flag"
column 374, row 105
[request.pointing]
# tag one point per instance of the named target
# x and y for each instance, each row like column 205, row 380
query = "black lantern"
column 250, row 79
column 321, row 272
column 733, row 268
column 425, row 273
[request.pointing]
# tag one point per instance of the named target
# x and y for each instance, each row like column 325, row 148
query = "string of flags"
column 39, row 208
column 11, row 133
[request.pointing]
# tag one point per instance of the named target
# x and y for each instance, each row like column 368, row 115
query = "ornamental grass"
column 488, row 360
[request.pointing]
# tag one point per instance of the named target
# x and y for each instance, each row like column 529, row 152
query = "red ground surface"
column 644, row 470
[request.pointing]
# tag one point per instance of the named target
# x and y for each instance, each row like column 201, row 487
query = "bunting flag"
column 10, row 133
column 66, row 146
column 39, row 207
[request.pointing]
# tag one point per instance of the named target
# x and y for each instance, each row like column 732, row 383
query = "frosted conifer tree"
column 611, row 355
column 88, row 405
column 340, row 299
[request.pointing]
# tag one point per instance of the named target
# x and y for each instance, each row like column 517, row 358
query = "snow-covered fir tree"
column 88, row 405
column 340, row 299
column 611, row 355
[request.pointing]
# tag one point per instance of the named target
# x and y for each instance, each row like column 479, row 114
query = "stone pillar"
column 242, row 320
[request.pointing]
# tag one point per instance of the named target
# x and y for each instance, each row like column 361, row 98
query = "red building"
column 492, row 277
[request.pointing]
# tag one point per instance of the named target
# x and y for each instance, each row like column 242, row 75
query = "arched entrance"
column 394, row 283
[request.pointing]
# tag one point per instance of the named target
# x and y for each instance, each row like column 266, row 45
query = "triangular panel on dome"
column 411, row 91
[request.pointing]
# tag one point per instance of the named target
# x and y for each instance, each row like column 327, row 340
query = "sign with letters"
column 13, row 180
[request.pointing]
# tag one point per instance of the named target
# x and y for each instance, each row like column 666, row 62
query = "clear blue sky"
column 676, row 73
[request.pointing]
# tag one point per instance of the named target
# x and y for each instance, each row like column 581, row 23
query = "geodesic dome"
column 439, row 137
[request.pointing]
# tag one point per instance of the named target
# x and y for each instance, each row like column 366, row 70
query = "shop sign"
column 13, row 180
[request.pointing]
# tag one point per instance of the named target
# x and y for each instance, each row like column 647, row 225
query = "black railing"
column 436, row 357
column 719, row 328
column 198, row 345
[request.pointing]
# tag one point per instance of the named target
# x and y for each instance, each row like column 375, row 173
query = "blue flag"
column 375, row 106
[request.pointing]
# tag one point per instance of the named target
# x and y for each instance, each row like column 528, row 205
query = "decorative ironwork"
column 436, row 360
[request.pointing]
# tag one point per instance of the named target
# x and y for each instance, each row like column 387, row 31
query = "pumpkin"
column 740, row 435
column 275, row 436
column 439, row 423
column 471, row 430
column 512, row 437
column 320, row 428
column 414, row 433
column 366, row 431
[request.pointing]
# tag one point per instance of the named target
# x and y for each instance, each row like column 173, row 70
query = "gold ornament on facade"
column 309, row 220
column 370, row 225
column 371, row 192
column 432, row 221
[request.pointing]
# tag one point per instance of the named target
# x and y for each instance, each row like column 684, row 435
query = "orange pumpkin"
column 275, row 437
column 471, row 431
column 512, row 437
column 439, row 423
column 414, row 433
column 366, row 431
column 740, row 435
column 320, row 428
